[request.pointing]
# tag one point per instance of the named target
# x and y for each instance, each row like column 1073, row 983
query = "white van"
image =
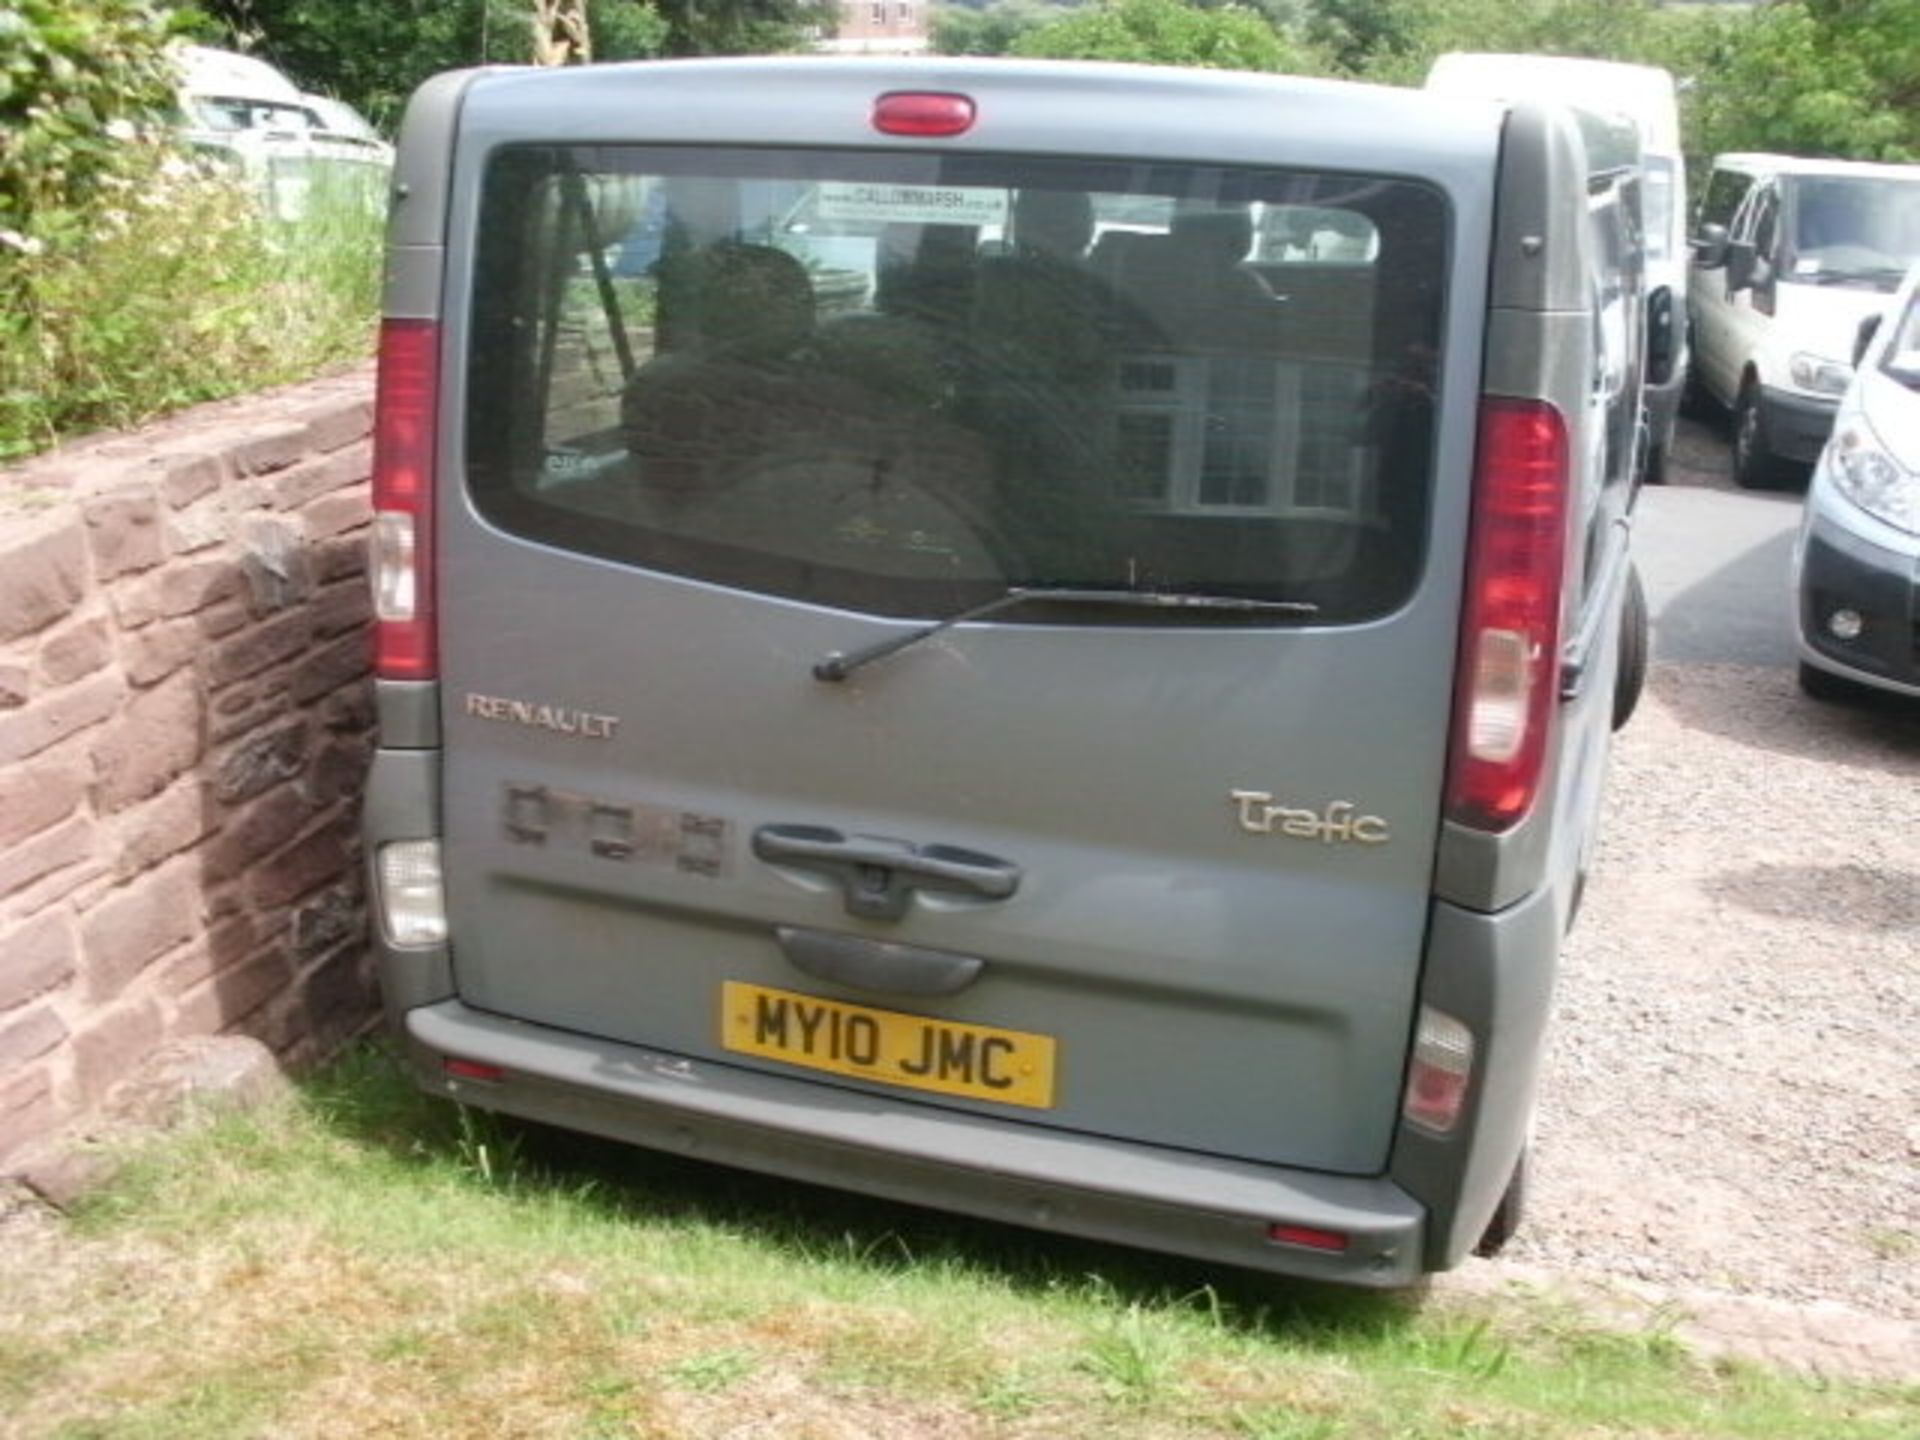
column 243, row 111
column 1644, row 95
column 1790, row 256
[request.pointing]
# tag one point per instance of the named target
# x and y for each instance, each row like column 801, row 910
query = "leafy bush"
column 76, row 77
column 1166, row 32
column 178, row 290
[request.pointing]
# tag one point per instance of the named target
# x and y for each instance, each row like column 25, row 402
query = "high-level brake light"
column 401, row 563
column 1509, row 666
column 914, row 112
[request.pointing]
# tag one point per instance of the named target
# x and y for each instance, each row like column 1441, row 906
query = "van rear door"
column 1143, row 850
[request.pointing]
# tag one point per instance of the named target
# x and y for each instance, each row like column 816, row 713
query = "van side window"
column 1766, row 224
column 896, row 383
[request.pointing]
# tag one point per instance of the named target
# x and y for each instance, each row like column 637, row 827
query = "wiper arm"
column 838, row 665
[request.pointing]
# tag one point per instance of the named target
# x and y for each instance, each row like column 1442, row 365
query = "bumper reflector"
column 1307, row 1236
column 413, row 908
column 472, row 1069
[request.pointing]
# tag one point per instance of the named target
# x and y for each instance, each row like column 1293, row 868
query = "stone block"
column 150, row 655
column 28, row 1036
column 336, row 514
column 40, row 956
column 259, row 646
column 43, row 572
column 322, row 475
column 180, row 817
column 348, row 712
column 26, row 1109
column 328, row 921
column 344, row 607
column 197, row 528
column 338, row 998
column 337, row 421
column 135, row 926
column 136, row 602
column 35, row 797
column 191, row 1074
column 225, row 618
column 160, row 736
column 328, row 669
column 260, row 762
column 51, row 852
column 52, row 717
column 76, row 651
column 111, row 1045
column 322, row 858
column 339, row 772
column 243, row 707
column 264, row 449
column 225, row 944
column 231, row 996
column 274, row 561
column 124, row 533
column 195, row 584
column 341, row 558
column 263, row 827
column 186, row 477
column 14, row 689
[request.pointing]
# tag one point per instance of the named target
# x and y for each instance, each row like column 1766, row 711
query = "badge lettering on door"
column 1335, row 825
column 560, row 719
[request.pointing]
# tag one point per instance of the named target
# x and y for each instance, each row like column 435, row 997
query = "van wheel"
column 1508, row 1214
column 1631, row 677
column 1755, row 466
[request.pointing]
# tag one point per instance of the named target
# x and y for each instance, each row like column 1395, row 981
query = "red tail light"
column 401, row 565
column 1509, row 668
column 908, row 112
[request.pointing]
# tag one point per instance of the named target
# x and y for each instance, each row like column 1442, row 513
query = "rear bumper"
column 1196, row 1205
column 1796, row 426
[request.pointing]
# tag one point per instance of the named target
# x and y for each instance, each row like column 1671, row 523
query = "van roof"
column 206, row 71
column 804, row 100
column 1644, row 93
column 1761, row 163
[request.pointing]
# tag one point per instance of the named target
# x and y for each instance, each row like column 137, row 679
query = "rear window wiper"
column 839, row 665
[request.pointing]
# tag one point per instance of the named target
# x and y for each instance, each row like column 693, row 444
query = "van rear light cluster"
column 413, row 905
column 401, row 563
column 1442, row 1066
column 1509, row 668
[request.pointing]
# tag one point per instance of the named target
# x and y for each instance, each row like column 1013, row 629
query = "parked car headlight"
column 1819, row 374
column 1873, row 480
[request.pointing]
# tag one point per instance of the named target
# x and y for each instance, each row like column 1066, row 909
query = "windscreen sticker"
column 912, row 204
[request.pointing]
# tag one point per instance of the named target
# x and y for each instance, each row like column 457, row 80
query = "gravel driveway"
column 1733, row 1096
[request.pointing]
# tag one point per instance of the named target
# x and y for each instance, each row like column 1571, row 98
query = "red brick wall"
column 184, row 725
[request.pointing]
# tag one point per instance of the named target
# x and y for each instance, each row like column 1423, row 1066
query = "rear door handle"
column 878, row 874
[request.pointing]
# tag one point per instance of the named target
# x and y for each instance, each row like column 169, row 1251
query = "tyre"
column 1824, row 685
column 1755, row 466
column 1631, row 676
column 1508, row 1214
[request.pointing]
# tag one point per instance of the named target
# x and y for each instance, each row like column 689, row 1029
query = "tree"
column 1167, row 32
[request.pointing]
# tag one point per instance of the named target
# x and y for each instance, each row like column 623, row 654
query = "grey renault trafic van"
column 1036, row 639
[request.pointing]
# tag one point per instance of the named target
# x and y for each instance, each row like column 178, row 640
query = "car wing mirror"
column 1662, row 337
column 1740, row 264
column 1710, row 247
column 1863, row 337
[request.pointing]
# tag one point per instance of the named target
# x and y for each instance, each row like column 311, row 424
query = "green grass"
column 366, row 1261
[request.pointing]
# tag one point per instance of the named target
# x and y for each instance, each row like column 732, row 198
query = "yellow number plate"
column 1011, row 1067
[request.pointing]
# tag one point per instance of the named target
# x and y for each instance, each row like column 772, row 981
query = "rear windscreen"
column 901, row 383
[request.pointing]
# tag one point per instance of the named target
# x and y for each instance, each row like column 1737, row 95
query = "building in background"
column 880, row 27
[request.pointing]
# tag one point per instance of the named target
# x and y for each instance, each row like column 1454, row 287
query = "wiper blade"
column 838, row 665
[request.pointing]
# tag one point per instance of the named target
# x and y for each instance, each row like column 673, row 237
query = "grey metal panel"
column 1540, row 245
column 409, row 713
column 1495, row 973
column 403, row 803
column 417, row 214
column 1170, row 1200
column 1024, row 106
